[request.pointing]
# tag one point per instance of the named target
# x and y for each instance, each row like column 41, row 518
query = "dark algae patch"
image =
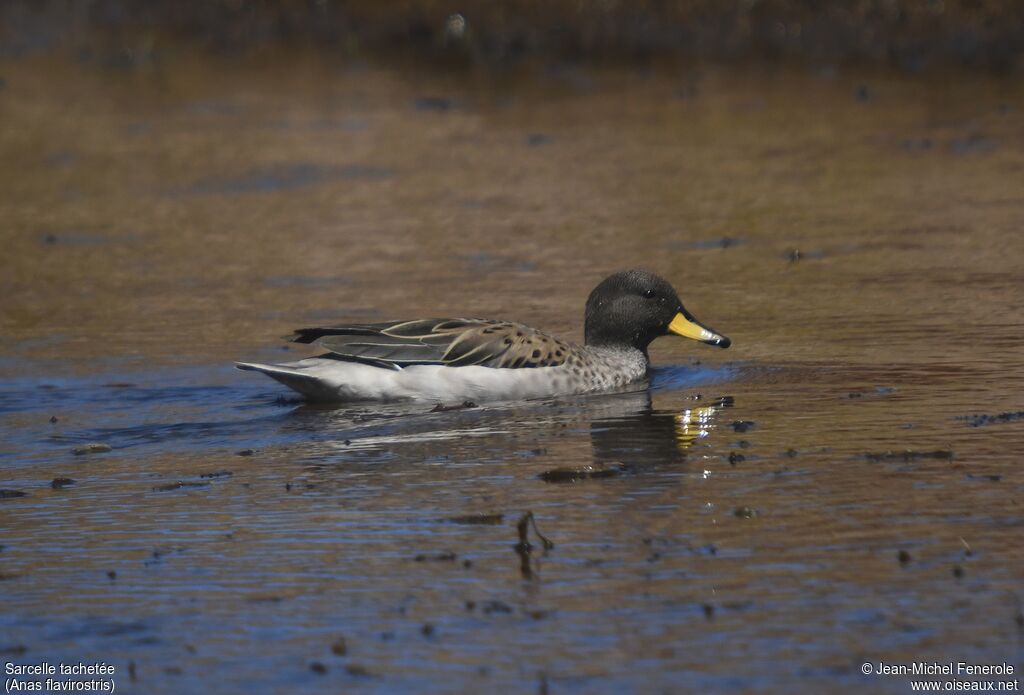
column 494, row 606
column 983, row 420
column 92, row 448
column 178, row 485
column 476, row 519
column 437, row 557
column 441, row 408
column 339, row 647
column 587, row 472
column 910, row 455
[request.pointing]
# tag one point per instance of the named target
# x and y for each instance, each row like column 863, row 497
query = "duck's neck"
column 619, row 347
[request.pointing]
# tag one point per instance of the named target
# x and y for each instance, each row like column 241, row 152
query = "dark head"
column 632, row 308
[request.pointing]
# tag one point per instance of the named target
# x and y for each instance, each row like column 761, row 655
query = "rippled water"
column 762, row 519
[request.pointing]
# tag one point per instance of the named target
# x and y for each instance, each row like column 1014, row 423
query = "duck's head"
column 632, row 308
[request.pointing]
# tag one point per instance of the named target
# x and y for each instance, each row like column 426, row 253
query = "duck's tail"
column 298, row 376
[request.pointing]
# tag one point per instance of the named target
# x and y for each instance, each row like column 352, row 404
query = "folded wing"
column 449, row 342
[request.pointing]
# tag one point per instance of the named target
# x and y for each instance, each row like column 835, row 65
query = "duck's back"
column 451, row 342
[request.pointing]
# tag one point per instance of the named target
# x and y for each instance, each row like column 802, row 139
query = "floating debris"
column 958, row 571
column 904, row 557
column 111, row 575
column 53, row 419
column 743, row 425
column 590, row 470
column 967, row 547
column 7, row 493
column 317, row 667
column 441, row 408
column 427, row 630
column 217, row 474
column 744, row 512
column 982, row 420
column 735, row 458
column 475, row 519
column 523, row 528
column 91, row 448
column 494, row 606
column 910, row 455
column 340, row 647
column 523, row 548
column 980, row 476
column 709, row 611
column 178, row 485
column 439, row 557
column 58, row 483
column 245, row 452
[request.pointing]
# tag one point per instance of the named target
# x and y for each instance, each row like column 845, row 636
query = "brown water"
column 857, row 236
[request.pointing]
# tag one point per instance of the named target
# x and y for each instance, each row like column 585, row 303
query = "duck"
column 466, row 360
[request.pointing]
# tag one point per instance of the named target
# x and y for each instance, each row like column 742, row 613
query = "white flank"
column 336, row 380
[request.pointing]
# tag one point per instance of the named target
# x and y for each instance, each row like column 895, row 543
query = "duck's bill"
column 685, row 325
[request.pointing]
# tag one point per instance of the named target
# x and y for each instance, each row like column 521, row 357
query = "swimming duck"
column 456, row 359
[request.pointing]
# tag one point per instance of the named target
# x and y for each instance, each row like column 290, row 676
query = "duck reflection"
column 625, row 429
column 631, row 431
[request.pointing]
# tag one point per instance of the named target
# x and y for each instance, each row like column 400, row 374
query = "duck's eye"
column 648, row 293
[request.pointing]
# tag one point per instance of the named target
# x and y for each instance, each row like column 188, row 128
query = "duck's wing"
column 449, row 342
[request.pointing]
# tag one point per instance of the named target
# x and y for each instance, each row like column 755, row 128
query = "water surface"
column 857, row 236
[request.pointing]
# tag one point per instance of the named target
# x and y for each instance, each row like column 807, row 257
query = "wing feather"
column 454, row 342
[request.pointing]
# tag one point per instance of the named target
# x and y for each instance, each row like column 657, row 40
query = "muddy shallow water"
column 764, row 518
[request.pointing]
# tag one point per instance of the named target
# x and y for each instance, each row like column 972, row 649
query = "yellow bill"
column 685, row 325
